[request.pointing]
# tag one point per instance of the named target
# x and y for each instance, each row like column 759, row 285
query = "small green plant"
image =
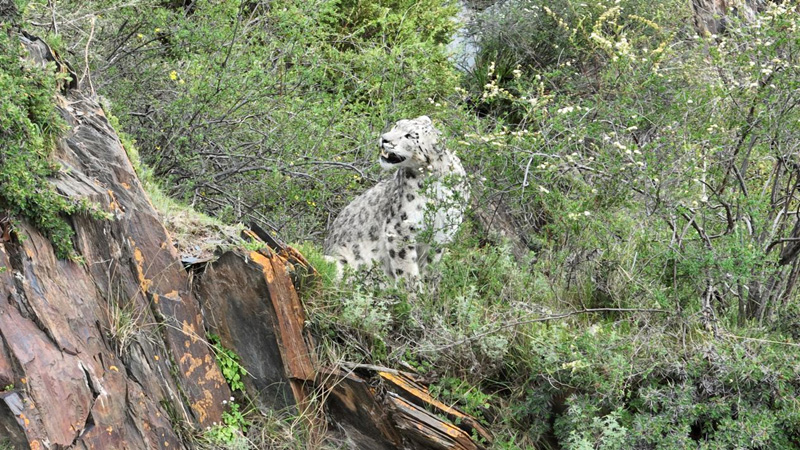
column 470, row 399
column 230, row 432
column 232, row 429
column 325, row 267
column 228, row 362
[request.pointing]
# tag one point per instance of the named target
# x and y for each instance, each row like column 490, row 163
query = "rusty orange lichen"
column 189, row 331
column 212, row 375
column 193, row 363
column 265, row 263
column 201, row 406
column 112, row 204
column 144, row 283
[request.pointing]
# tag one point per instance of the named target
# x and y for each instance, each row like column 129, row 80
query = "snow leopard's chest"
column 432, row 207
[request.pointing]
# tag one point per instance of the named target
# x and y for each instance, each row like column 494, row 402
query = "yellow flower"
column 140, row 35
column 173, row 75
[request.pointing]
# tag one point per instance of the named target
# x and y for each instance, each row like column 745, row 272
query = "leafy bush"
column 29, row 125
column 264, row 111
column 565, row 44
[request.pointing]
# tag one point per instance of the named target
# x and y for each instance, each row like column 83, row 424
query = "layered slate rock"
column 252, row 305
column 381, row 408
column 70, row 374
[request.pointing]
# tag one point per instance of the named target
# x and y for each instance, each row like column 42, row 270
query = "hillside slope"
column 111, row 348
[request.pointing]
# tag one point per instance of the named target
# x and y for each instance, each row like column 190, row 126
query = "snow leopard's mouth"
column 391, row 158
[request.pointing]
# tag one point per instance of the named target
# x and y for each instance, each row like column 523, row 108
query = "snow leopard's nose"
column 382, row 142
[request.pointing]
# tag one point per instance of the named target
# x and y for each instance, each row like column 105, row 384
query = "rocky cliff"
column 111, row 351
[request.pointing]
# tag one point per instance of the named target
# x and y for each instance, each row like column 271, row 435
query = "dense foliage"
column 649, row 175
column 29, row 123
column 262, row 111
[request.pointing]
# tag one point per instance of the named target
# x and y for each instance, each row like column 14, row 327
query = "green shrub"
column 29, row 125
column 566, row 44
column 265, row 112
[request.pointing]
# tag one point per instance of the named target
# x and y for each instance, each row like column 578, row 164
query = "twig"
column 699, row 229
column 333, row 163
column 528, row 167
column 54, row 23
column 86, row 59
column 354, row 366
column 780, row 241
column 547, row 319
column 764, row 341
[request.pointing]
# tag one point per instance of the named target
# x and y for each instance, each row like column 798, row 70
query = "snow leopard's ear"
column 425, row 120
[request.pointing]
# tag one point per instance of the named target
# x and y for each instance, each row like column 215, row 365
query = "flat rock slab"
column 250, row 303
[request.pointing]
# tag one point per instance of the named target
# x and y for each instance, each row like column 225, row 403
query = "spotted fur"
column 401, row 222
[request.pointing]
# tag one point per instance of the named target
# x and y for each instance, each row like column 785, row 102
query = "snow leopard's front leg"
column 402, row 255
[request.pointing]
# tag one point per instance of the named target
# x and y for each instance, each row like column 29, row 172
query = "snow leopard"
column 401, row 223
